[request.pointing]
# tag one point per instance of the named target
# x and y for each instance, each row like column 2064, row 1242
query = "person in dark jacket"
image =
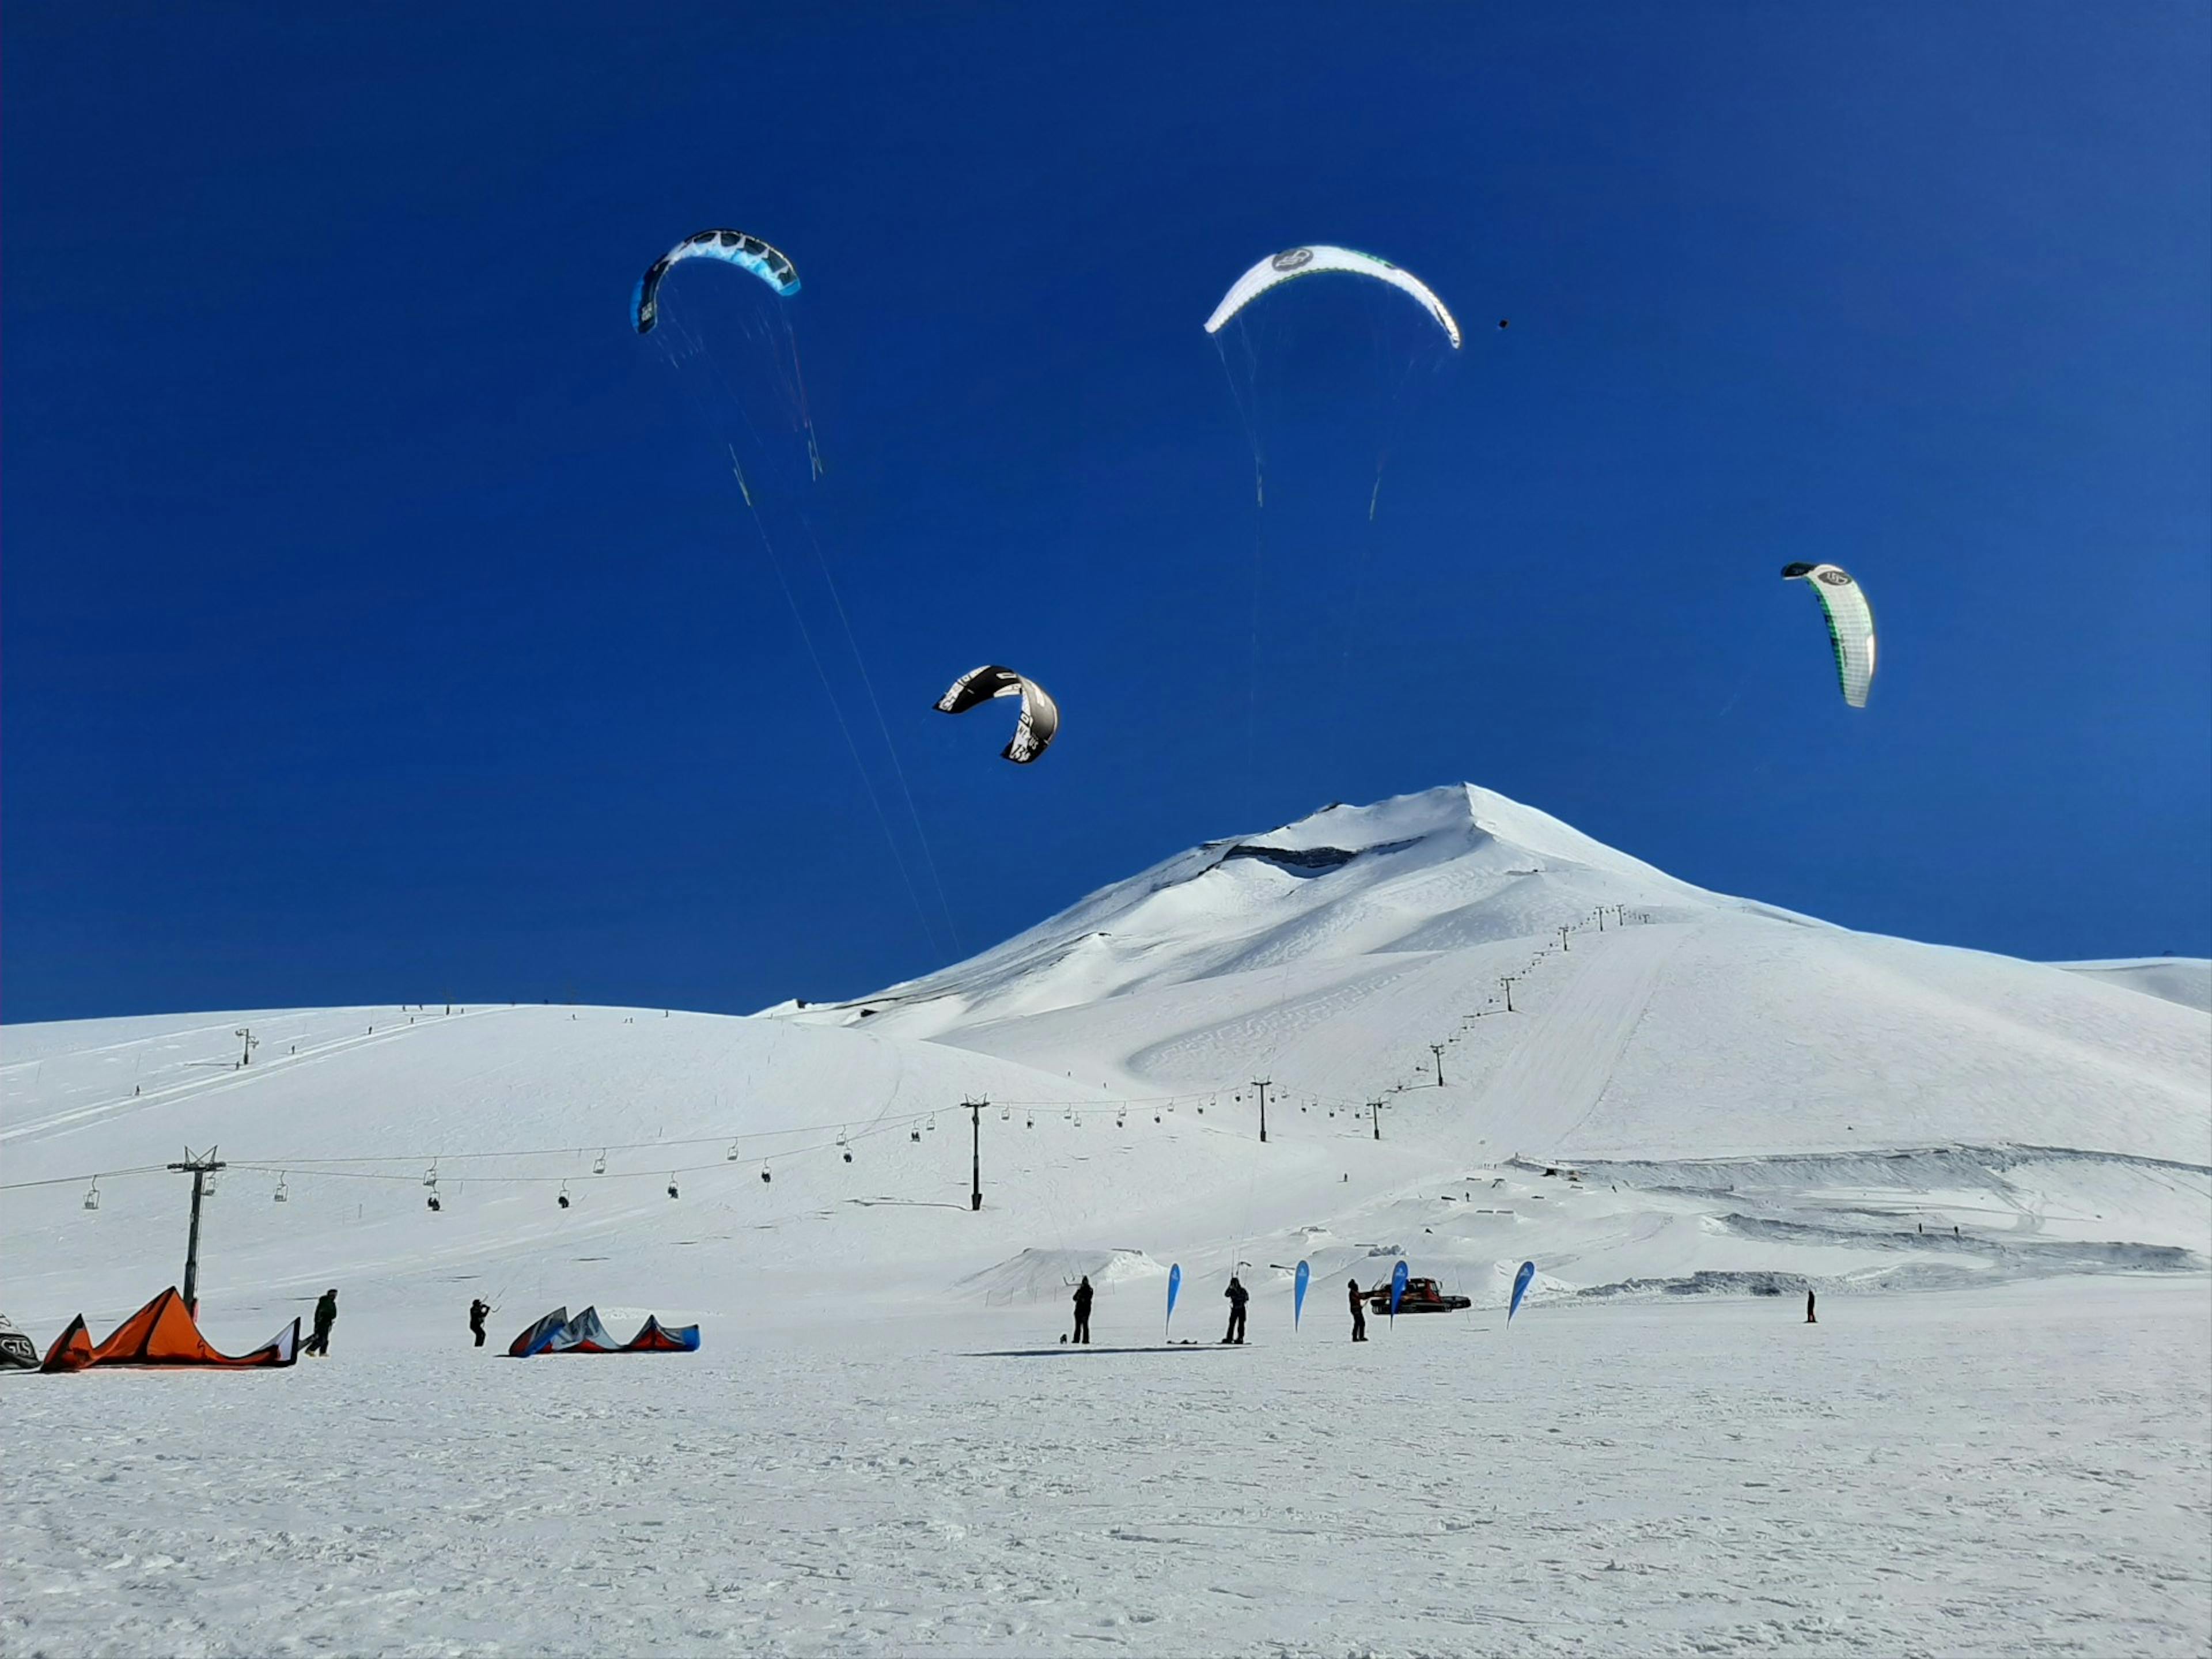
column 1083, row 1311
column 1809, row 1320
column 479, row 1310
column 1238, row 1296
column 1358, row 1312
column 327, row 1315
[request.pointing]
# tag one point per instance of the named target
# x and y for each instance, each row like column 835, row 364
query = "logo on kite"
column 1293, row 260
column 1835, row 579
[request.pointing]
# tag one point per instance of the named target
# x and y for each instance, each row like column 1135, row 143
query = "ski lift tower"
column 200, row 1169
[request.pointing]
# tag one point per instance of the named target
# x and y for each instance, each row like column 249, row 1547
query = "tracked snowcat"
column 1422, row 1296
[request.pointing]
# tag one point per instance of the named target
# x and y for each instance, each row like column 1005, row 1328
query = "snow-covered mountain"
column 1687, row 1089
column 1446, row 868
column 1664, row 1022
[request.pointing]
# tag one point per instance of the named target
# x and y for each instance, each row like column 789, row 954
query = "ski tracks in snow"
column 1555, row 1078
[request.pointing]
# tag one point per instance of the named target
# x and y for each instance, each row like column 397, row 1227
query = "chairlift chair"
column 91, row 1194
column 280, row 1195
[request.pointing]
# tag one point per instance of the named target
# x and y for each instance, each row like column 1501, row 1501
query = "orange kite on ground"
column 162, row 1332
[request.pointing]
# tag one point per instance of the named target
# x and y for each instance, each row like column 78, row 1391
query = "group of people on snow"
column 1236, row 1295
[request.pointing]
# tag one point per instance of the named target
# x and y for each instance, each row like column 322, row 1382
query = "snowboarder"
column 479, row 1310
column 327, row 1315
column 1809, row 1320
column 1238, row 1296
column 1358, row 1312
column 1083, row 1311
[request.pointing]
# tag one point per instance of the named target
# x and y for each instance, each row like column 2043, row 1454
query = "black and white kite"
column 1039, row 714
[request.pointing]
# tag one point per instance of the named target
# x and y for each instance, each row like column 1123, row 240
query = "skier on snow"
column 1238, row 1296
column 1083, row 1311
column 479, row 1310
column 1358, row 1312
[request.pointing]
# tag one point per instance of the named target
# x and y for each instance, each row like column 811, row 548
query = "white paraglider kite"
column 1280, row 267
column 1851, row 624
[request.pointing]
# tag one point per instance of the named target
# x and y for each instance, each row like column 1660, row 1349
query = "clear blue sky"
column 378, row 621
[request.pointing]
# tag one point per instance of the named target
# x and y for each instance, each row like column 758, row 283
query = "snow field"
column 2013, row 1470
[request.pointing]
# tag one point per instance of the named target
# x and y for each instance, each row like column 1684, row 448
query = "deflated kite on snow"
column 558, row 1333
column 162, row 1332
column 1851, row 624
column 1039, row 714
column 1280, row 267
column 734, row 247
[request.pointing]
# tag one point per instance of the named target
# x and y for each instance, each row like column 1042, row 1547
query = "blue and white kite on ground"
column 1521, row 1282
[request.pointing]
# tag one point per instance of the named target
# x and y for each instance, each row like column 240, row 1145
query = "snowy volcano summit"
column 1445, row 869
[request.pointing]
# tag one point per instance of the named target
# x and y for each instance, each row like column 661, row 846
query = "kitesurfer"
column 1238, row 1296
column 479, row 1310
column 327, row 1315
column 1809, row 1319
column 1358, row 1312
column 1083, row 1311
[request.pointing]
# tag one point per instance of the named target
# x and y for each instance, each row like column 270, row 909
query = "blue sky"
column 380, row 621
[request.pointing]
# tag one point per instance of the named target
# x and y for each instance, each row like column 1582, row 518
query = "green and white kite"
column 1851, row 624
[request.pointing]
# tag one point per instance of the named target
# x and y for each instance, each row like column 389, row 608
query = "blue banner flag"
column 1520, row 1282
column 1298, row 1295
column 1397, row 1288
column 1175, row 1288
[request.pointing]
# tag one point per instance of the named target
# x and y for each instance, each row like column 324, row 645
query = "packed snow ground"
column 2010, row 1470
column 1696, row 1108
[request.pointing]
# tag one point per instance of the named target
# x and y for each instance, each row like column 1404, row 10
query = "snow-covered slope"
column 2184, row 980
column 1687, row 1090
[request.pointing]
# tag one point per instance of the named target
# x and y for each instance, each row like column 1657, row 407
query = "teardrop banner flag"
column 1520, row 1282
column 1397, row 1289
column 1298, row 1295
column 1175, row 1288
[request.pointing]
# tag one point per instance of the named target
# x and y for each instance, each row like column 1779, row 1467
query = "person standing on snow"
column 479, row 1310
column 1083, row 1311
column 1358, row 1312
column 327, row 1315
column 1809, row 1320
column 1238, row 1296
